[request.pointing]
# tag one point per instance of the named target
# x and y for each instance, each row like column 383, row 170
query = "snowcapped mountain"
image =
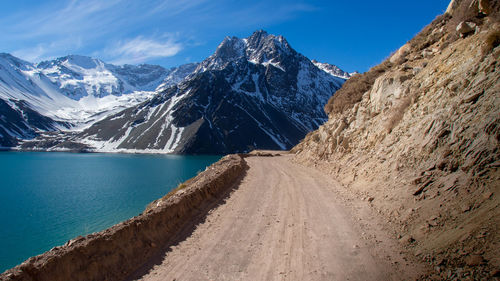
column 21, row 80
column 176, row 75
column 20, row 119
column 332, row 69
column 80, row 76
column 72, row 92
column 255, row 92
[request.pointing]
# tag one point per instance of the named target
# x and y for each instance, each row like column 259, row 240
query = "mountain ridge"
column 274, row 90
column 255, row 92
column 72, row 92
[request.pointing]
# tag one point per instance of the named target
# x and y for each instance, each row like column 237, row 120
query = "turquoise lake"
column 48, row 198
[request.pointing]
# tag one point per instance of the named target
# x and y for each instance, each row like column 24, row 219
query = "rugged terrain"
column 254, row 92
column 418, row 138
column 410, row 182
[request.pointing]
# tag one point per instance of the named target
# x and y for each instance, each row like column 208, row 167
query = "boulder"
column 465, row 28
column 400, row 54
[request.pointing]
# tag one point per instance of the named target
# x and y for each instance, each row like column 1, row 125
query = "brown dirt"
column 424, row 144
column 285, row 222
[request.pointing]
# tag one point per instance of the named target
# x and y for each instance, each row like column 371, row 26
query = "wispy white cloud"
column 48, row 50
column 52, row 31
column 140, row 49
column 62, row 27
column 31, row 54
column 74, row 17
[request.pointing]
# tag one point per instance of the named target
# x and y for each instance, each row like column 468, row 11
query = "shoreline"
column 125, row 152
column 134, row 240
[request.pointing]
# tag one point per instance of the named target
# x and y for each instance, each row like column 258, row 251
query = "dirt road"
column 284, row 222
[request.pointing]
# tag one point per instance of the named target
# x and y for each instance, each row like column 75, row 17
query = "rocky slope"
column 19, row 121
column 255, row 92
column 418, row 138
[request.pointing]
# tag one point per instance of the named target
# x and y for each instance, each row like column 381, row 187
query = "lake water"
column 48, row 198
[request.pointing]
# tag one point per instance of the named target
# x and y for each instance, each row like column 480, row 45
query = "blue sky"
column 354, row 35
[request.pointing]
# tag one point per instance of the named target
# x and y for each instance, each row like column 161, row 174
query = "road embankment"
column 117, row 252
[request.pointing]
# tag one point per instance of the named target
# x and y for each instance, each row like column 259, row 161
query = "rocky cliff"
column 418, row 138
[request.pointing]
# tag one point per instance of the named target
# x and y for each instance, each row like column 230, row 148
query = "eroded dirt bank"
column 285, row 222
column 115, row 253
column 419, row 135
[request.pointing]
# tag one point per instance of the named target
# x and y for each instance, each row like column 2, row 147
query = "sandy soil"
column 284, row 222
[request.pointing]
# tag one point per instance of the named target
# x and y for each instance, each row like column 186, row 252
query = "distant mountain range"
column 255, row 92
column 71, row 93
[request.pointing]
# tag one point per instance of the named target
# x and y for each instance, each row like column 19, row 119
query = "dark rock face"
column 19, row 121
column 251, row 93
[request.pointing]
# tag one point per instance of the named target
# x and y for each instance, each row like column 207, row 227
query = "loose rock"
column 465, row 28
column 473, row 260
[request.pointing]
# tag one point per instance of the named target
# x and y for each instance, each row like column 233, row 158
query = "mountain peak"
column 264, row 48
column 260, row 38
column 258, row 48
column 230, row 48
column 80, row 61
column 259, row 34
column 253, row 92
column 83, row 61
